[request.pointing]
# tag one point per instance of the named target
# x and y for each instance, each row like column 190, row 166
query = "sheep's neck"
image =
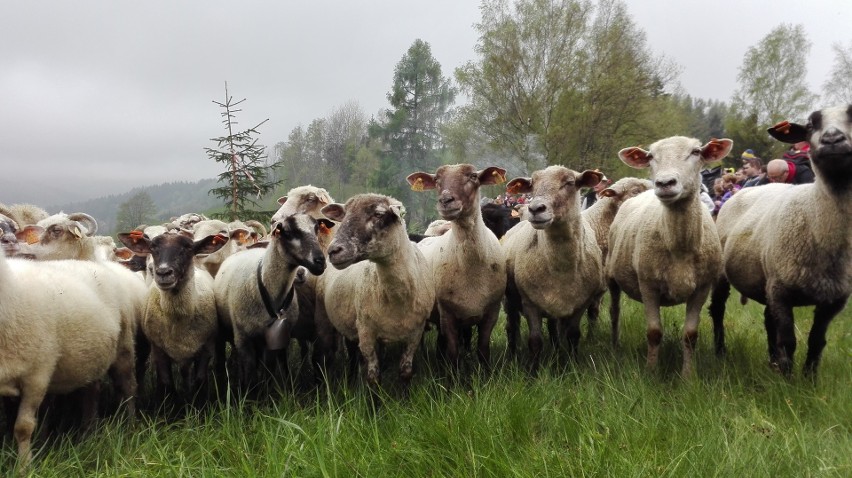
column 277, row 274
column 835, row 210
column 683, row 225
column 397, row 273
column 181, row 298
column 469, row 228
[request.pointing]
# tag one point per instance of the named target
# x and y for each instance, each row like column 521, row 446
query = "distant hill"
column 171, row 199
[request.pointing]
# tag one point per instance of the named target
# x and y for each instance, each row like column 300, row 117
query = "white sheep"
column 180, row 316
column 382, row 291
column 23, row 214
column 253, row 285
column 56, row 335
column 67, row 236
column 601, row 214
column 467, row 262
column 552, row 252
column 788, row 246
column 663, row 245
column 8, row 236
column 208, row 227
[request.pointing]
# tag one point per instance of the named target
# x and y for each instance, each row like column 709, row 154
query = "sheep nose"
column 536, row 207
column 832, row 136
column 445, row 199
column 334, row 249
column 665, row 182
column 165, row 271
column 319, row 261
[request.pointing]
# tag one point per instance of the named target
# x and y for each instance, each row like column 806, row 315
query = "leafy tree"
column 247, row 177
column 837, row 89
column 138, row 209
column 565, row 81
column 771, row 79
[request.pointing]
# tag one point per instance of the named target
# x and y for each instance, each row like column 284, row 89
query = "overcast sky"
column 97, row 96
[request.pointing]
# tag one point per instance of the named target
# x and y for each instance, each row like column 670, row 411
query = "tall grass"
column 604, row 415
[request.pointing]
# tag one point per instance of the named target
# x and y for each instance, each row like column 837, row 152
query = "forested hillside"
column 170, row 199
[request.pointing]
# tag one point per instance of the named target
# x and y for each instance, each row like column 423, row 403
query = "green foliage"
column 772, row 79
column 139, row 209
column 246, row 175
column 838, row 87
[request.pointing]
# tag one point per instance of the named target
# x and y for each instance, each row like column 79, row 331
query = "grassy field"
column 602, row 416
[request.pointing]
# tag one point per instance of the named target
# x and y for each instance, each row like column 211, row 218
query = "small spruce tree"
column 247, row 177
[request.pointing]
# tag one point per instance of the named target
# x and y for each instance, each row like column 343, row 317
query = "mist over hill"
column 171, row 199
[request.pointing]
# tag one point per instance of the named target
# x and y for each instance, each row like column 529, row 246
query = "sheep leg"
column 513, row 317
column 721, row 292
column 353, row 358
column 32, row 395
column 571, row 329
column 823, row 314
column 534, row 341
column 247, row 359
column 142, row 352
column 654, row 330
column 406, row 362
column 772, row 345
column 449, row 331
column 367, row 345
column 594, row 311
column 553, row 332
column 614, row 311
column 785, row 333
column 163, row 365
column 690, row 328
column 89, row 399
column 484, row 330
column 123, row 375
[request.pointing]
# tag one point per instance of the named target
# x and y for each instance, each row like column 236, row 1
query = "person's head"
column 728, row 181
column 740, row 175
column 777, row 171
column 752, row 167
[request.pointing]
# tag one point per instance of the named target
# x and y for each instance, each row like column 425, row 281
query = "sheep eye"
column 312, row 198
column 474, row 177
column 696, row 151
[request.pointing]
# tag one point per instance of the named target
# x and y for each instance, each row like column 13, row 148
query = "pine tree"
column 247, row 175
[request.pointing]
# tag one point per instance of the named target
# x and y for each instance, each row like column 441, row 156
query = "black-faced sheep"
column 180, row 316
column 788, row 246
column 663, row 245
column 252, row 286
column 383, row 289
column 467, row 262
column 553, row 262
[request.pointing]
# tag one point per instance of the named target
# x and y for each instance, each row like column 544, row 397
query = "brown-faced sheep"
column 553, row 262
column 788, row 246
column 382, row 291
column 663, row 245
column 467, row 262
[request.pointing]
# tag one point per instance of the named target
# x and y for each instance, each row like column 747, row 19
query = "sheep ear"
column 30, row 234
column 324, row 226
column 788, row 132
column 282, row 200
column 398, row 210
column 123, row 253
column 240, row 235
column 635, row 157
column 716, row 149
column 209, row 244
column 136, row 241
column 492, row 175
column 519, row 185
column 323, row 196
column 589, row 178
column 75, row 230
column 334, row 211
column 608, row 193
column 421, row 181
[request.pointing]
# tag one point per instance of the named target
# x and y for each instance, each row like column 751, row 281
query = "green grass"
column 603, row 416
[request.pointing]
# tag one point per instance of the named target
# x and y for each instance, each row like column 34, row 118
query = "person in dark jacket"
column 798, row 155
column 753, row 170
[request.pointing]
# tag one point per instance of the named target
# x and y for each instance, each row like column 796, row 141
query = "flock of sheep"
column 70, row 313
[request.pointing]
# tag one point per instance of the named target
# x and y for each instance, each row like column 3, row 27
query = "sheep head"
column 172, row 254
column 829, row 133
column 458, row 187
column 302, row 199
column 296, row 236
column 367, row 225
column 8, row 239
column 555, row 193
column 675, row 164
column 626, row 188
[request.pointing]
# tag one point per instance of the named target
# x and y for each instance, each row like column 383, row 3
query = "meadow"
column 603, row 415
